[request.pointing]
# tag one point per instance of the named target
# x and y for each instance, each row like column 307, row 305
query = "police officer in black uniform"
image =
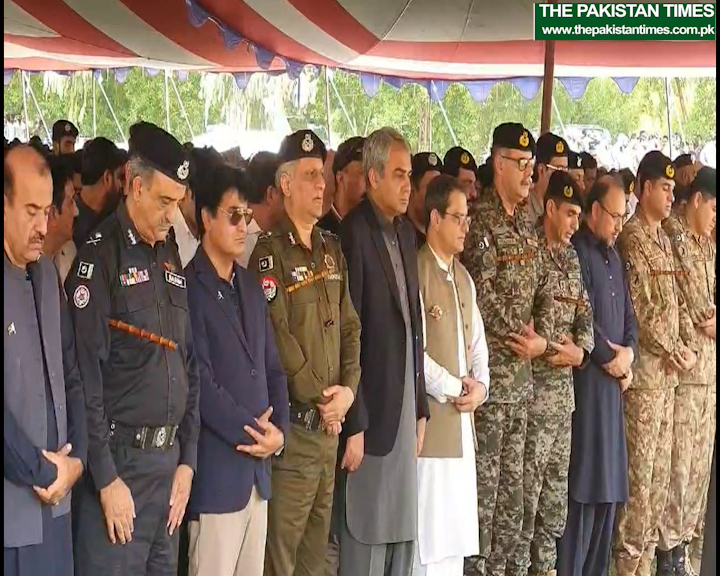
column 141, row 384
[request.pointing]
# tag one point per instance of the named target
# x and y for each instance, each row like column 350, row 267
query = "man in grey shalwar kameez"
column 384, row 428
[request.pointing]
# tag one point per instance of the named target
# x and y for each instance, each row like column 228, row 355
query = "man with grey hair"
column 303, row 275
column 385, row 427
column 140, row 377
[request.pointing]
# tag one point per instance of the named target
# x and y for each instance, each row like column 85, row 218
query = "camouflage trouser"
column 696, row 546
column 545, row 501
column 501, row 439
column 690, row 468
column 648, row 426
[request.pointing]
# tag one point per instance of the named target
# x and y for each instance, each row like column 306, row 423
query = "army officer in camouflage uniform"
column 501, row 255
column 667, row 348
column 547, row 446
column 304, row 277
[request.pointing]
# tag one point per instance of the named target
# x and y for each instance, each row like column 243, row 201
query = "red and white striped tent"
column 421, row 39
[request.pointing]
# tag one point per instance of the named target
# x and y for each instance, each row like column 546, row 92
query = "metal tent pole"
column 182, row 107
column 37, row 107
column 167, row 104
column 327, row 105
column 667, row 110
column 107, row 101
column 444, row 113
column 94, row 106
column 25, row 109
column 344, row 109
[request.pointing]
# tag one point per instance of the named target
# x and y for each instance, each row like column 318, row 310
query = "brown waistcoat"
column 443, row 435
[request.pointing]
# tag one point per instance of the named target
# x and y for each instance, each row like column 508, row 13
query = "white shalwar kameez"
column 447, row 487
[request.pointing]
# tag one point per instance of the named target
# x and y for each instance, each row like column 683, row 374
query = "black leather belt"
column 306, row 416
column 144, row 437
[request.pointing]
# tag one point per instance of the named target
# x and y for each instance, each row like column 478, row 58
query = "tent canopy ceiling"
column 421, row 39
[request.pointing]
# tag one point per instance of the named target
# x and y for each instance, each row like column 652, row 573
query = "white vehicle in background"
column 708, row 154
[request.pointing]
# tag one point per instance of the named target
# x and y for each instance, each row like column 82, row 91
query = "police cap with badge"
column 161, row 151
column 655, row 165
column 514, row 136
column 551, row 146
column 575, row 161
column 458, row 158
column 424, row 162
column 62, row 129
column 302, row 144
column 704, row 181
column 563, row 188
column 349, row 151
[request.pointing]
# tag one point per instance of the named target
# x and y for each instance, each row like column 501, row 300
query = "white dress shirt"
column 251, row 238
column 186, row 241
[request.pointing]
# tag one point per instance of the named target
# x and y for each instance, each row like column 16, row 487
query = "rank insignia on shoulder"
column 484, row 243
column 11, row 328
column 85, row 270
column 134, row 276
column 291, row 237
column 628, row 265
column 81, row 297
column 94, row 239
column 329, row 263
column 175, row 279
column 132, row 237
column 269, row 287
column 266, row 264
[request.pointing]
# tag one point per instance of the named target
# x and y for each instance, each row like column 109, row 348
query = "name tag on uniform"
column 134, row 276
column 174, row 279
column 532, row 242
column 574, row 275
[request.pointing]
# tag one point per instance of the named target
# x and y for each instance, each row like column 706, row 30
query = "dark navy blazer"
column 240, row 377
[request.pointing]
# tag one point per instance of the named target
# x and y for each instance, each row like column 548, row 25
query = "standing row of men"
column 353, row 337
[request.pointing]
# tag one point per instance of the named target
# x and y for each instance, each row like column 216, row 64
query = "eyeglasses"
column 238, row 215
column 461, row 219
column 522, row 163
column 617, row 218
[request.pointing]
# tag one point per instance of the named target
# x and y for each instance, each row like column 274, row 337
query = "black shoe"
column 664, row 563
column 678, row 560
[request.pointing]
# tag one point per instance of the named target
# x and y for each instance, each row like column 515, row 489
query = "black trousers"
column 152, row 551
column 54, row 557
column 584, row 549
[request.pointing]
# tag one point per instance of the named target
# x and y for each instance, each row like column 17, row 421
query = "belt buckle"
column 309, row 419
column 160, row 437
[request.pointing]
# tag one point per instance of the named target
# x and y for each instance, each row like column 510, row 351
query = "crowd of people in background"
column 357, row 362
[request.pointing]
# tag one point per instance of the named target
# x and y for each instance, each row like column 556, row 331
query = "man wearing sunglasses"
column 502, row 257
column 243, row 390
column 552, row 155
column 303, row 275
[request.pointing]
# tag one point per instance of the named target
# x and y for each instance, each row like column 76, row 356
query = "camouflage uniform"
column 501, row 255
column 694, row 430
column 664, row 324
column 547, row 446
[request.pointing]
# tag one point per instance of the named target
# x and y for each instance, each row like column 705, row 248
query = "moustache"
column 37, row 239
